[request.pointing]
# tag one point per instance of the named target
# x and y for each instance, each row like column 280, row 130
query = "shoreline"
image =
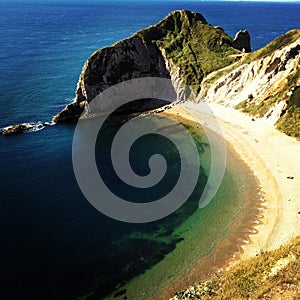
column 229, row 249
column 274, row 159
column 271, row 158
column 226, row 247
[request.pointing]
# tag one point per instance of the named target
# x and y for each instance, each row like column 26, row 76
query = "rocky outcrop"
column 173, row 49
column 16, row 129
column 71, row 112
column 242, row 41
column 24, row 127
column 128, row 59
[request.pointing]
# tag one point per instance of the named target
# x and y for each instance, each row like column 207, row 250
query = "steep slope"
column 269, row 275
column 265, row 83
column 183, row 47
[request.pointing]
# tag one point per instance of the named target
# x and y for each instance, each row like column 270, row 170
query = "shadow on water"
column 131, row 249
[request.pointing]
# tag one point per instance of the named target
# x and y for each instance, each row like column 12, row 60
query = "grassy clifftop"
column 194, row 46
column 280, row 42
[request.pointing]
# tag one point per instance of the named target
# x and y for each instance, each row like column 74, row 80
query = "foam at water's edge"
column 29, row 127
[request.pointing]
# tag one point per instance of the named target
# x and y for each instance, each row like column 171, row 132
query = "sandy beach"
column 275, row 161
column 273, row 158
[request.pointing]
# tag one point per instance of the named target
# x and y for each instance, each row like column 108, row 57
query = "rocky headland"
column 185, row 48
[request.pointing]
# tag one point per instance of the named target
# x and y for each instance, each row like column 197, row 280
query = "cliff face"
column 130, row 58
column 265, row 84
column 183, row 47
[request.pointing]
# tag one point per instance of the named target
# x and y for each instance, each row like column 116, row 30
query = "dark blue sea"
column 54, row 244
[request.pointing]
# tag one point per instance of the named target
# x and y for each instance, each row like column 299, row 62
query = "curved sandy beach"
column 273, row 157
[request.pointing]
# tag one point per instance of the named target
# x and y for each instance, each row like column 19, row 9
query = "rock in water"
column 242, row 41
column 16, row 129
column 24, row 127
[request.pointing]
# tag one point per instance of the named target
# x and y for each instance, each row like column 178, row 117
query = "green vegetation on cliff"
column 283, row 40
column 289, row 121
column 194, row 46
column 269, row 64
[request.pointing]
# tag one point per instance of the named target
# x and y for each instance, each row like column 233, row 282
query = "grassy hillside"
column 289, row 122
column 192, row 44
column 288, row 91
column 269, row 275
column 283, row 40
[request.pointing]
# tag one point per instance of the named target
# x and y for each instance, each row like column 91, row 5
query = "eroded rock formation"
column 242, row 41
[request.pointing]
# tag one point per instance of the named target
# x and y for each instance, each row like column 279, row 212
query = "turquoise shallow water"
column 208, row 237
column 54, row 244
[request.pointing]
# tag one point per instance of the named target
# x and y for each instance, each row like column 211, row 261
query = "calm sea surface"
column 54, row 244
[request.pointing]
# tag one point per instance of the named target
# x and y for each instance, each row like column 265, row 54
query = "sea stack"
column 242, row 41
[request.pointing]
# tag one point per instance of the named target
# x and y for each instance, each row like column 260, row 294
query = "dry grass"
column 269, row 275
